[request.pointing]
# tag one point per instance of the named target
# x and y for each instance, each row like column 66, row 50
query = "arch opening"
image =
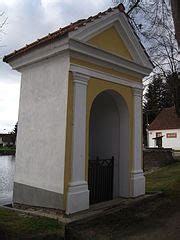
column 109, row 136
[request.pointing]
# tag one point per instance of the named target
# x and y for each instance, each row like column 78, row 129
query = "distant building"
column 7, row 139
column 164, row 131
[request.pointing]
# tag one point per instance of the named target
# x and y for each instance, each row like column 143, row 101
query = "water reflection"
column 7, row 166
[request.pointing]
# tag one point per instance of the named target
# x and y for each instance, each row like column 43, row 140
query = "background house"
column 7, row 139
column 167, row 125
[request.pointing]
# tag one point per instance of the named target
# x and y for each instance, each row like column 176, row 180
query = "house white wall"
column 173, row 143
column 42, row 124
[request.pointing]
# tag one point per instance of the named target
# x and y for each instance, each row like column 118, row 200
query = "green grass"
column 7, row 150
column 144, row 216
column 167, row 179
column 15, row 225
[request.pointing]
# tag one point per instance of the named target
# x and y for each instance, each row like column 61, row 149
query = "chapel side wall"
column 42, row 127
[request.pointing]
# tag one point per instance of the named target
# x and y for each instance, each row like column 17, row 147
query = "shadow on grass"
column 15, row 225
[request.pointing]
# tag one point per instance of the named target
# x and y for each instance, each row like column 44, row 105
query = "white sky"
column 27, row 21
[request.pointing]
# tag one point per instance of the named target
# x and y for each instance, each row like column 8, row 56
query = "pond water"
column 7, row 167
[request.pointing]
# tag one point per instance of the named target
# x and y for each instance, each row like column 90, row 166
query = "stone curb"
column 90, row 214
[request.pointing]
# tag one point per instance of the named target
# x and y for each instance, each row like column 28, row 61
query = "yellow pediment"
column 110, row 41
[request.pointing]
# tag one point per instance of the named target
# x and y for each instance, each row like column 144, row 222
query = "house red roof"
column 61, row 32
column 166, row 119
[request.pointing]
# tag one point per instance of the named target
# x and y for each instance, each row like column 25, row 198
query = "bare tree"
column 153, row 23
column 3, row 20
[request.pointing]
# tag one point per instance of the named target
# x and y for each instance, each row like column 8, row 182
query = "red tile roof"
column 59, row 33
column 166, row 119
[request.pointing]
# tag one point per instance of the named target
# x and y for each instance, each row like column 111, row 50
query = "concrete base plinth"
column 137, row 184
column 33, row 196
column 77, row 198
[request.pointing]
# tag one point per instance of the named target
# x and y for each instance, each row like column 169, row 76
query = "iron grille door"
column 100, row 179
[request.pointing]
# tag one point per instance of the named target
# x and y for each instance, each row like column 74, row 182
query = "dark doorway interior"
column 109, row 135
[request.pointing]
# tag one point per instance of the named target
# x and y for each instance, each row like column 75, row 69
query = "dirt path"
column 155, row 220
column 169, row 231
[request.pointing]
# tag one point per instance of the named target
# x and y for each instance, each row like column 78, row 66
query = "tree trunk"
column 176, row 16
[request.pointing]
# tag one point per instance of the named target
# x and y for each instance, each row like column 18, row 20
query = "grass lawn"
column 166, row 179
column 14, row 225
column 145, row 220
column 7, row 150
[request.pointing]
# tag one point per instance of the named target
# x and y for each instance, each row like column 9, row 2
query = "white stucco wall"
column 42, row 124
column 173, row 143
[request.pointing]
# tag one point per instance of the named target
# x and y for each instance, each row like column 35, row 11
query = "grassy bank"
column 166, row 179
column 147, row 219
column 14, row 225
column 7, row 151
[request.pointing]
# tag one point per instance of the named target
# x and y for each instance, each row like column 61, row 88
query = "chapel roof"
column 61, row 32
column 65, row 30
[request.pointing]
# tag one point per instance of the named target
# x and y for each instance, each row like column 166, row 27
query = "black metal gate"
column 100, row 179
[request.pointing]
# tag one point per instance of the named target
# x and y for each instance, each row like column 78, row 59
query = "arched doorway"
column 109, row 146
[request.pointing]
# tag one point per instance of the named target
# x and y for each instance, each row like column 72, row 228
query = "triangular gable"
column 116, row 22
column 111, row 41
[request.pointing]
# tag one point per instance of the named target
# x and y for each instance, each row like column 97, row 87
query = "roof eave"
column 30, row 48
column 81, row 49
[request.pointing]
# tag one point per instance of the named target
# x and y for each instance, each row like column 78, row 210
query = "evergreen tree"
column 157, row 97
column 15, row 129
column 173, row 82
column 14, row 133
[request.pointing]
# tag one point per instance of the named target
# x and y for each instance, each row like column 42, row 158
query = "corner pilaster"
column 137, row 175
column 78, row 193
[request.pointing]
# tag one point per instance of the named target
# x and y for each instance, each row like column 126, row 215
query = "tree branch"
column 133, row 7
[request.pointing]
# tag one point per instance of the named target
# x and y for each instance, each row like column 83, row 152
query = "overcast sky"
column 27, row 21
